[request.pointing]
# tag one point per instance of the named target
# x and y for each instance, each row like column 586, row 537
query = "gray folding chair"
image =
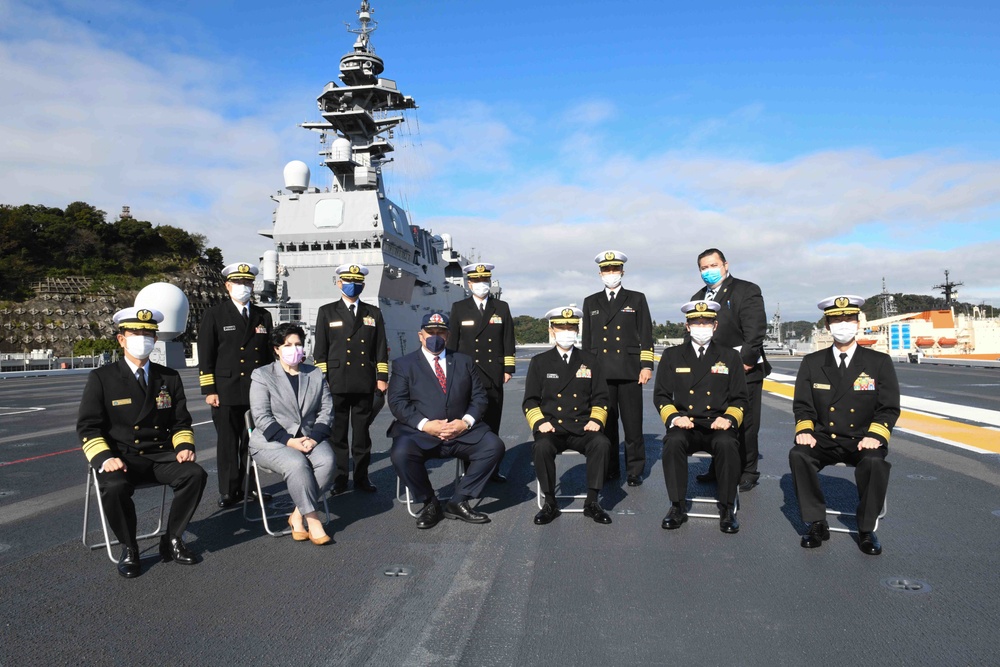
column 708, row 499
column 108, row 542
column 408, row 500
column 829, row 512
column 540, row 498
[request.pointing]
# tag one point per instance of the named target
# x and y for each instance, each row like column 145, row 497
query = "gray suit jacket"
column 278, row 415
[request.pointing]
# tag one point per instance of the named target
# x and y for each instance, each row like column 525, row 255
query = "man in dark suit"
column 618, row 329
column 136, row 429
column 742, row 324
column 846, row 405
column 702, row 397
column 482, row 328
column 438, row 409
column 566, row 404
column 351, row 350
column 232, row 342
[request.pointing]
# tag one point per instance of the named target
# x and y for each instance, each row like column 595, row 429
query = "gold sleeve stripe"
column 668, row 411
column 880, row 429
column 599, row 414
column 381, row 367
column 804, row 425
column 736, row 413
column 534, row 415
column 207, row 379
column 509, row 361
column 183, row 437
column 321, row 365
column 94, row 446
column 646, row 355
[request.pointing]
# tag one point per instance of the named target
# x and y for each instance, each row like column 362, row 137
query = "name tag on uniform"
column 336, row 324
column 595, row 312
column 864, row 382
column 496, row 319
column 628, row 309
column 369, row 321
column 720, row 368
column 820, row 385
column 583, row 372
column 682, row 370
column 121, row 401
column 163, row 400
column 231, row 327
column 468, row 323
column 260, row 329
column 552, row 376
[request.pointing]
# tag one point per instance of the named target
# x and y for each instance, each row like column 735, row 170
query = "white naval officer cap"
column 843, row 304
column 135, row 318
column 611, row 258
column 564, row 315
column 352, row 272
column 700, row 309
column 478, row 270
column 240, row 271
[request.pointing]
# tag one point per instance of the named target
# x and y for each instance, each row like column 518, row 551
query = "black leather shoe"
column 173, row 548
column 365, row 485
column 706, row 478
column 596, row 512
column 226, row 501
column 868, row 542
column 675, row 517
column 252, row 496
column 728, row 522
column 613, row 474
column 497, row 478
column 547, row 514
column 819, row 531
column 463, row 512
column 430, row 515
column 634, row 480
column 128, row 563
column 338, row 488
column 747, row 485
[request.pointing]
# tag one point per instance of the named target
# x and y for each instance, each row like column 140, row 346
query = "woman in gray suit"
column 292, row 412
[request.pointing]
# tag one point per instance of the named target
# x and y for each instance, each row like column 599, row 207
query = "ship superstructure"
column 351, row 220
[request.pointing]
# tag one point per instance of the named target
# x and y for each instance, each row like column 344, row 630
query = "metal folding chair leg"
column 836, row 529
column 403, row 491
column 540, row 498
column 264, row 517
column 108, row 542
column 708, row 499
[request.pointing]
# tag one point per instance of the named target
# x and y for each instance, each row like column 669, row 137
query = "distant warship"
column 352, row 221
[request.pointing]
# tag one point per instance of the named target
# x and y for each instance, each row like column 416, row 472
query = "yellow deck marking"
column 967, row 435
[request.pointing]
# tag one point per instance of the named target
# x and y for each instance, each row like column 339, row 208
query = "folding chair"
column 540, row 499
column 400, row 487
column 709, row 499
column 108, row 542
column 829, row 512
column 256, row 469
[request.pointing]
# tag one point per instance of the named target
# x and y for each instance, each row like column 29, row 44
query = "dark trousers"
column 724, row 447
column 625, row 401
column 594, row 445
column 481, row 459
column 749, row 448
column 231, row 447
column 354, row 410
column 186, row 479
column 494, row 406
column 871, row 473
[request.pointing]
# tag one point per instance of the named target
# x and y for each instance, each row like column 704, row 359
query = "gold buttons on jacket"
column 831, row 408
column 137, row 428
column 692, row 391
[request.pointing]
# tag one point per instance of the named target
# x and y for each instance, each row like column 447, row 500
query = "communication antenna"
column 948, row 288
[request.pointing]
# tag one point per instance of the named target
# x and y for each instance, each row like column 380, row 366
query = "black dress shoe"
column 613, row 474
column 128, row 562
column 463, row 512
column 747, row 485
column 675, row 517
column 430, row 515
column 728, row 522
column 497, row 478
column 596, row 512
column 634, row 480
column 173, row 548
column 819, row 531
column 365, row 485
column 226, row 501
column 338, row 488
column 868, row 542
column 547, row 514
column 252, row 496
column 706, row 478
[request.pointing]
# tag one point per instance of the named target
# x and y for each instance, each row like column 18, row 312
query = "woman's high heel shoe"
column 320, row 541
column 298, row 535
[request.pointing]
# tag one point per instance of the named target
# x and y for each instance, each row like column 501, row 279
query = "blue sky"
column 822, row 145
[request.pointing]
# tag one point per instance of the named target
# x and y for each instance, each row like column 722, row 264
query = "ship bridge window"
column 328, row 214
column 327, row 246
column 304, row 247
column 353, row 245
column 378, row 243
column 366, row 244
column 289, row 248
column 281, row 247
column 341, row 245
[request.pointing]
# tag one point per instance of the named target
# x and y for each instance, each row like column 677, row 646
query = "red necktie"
column 440, row 373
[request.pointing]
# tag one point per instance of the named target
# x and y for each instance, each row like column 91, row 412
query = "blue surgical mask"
column 711, row 276
column 352, row 290
column 435, row 344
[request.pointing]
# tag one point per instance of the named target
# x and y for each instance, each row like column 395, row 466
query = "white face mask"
column 844, row 332
column 701, row 334
column 611, row 280
column 480, row 289
column 241, row 293
column 565, row 339
column 140, row 346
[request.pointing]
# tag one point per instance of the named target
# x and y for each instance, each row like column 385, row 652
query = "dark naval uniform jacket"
column 864, row 403
column 742, row 322
column 117, row 419
column 566, row 395
column 620, row 335
column 701, row 389
column 487, row 337
column 230, row 348
column 352, row 353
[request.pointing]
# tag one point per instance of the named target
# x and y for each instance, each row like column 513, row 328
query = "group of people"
column 446, row 398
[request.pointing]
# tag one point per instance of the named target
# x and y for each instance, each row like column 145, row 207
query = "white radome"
column 169, row 300
column 296, row 176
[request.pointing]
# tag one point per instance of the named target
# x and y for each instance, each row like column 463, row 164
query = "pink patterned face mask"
column 293, row 355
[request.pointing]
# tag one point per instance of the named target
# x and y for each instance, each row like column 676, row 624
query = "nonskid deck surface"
column 510, row 592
